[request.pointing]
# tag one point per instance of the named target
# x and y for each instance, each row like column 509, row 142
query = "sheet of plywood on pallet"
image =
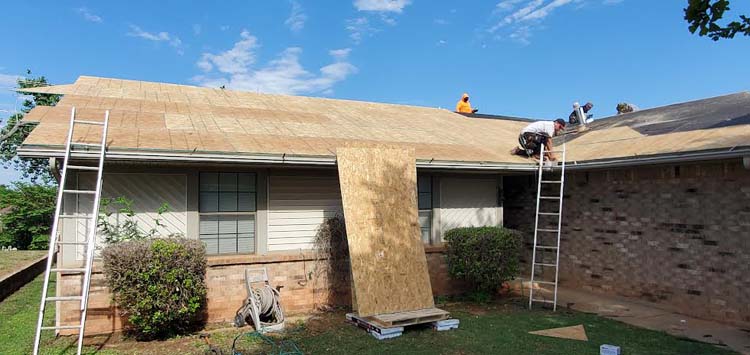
column 389, row 268
column 402, row 319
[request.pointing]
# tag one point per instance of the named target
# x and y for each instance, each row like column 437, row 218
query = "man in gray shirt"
column 535, row 134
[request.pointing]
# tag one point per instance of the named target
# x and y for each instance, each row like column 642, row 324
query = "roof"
column 177, row 122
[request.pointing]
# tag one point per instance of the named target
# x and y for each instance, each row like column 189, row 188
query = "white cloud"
column 88, row 15
column 235, row 69
column 360, row 28
column 442, row 42
column 381, row 5
column 197, row 29
column 517, row 19
column 233, row 61
column 297, row 18
column 8, row 80
column 173, row 41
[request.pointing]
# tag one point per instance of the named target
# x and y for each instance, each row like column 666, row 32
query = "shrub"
column 158, row 283
column 27, row 218
column 484, row 256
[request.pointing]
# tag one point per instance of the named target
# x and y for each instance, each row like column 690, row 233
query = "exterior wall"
column 147, row 191
column 226, row 288
column 298, row 204
column 291, row 204
column 676, row 235
column 469, row 202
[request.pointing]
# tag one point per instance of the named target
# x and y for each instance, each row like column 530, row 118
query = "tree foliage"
column 27, row 218
column 703, row 15
column 33, row 169
column 125, row 226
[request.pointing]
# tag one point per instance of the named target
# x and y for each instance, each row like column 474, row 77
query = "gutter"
column 279, row 159
column 306, row 160
column 660, row 159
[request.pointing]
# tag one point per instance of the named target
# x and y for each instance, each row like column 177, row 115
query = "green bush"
column 484, row 256
column 158, row 283
column 27, row 218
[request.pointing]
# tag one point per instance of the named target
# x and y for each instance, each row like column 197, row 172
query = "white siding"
column 297, row 205
column 147, row 191
column 468, row 202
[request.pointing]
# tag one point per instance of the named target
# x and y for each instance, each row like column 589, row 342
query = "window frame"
column 217, row 213
column 430, row 209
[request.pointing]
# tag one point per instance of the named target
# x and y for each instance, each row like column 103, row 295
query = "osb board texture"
column 389, row 267
column 194, row 119
column 575, row 332
column 184, row 118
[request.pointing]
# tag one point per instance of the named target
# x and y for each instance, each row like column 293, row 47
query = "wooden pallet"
column 400, row 319
column 381, row 333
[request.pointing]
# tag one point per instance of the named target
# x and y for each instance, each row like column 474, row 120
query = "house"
column 254, row 175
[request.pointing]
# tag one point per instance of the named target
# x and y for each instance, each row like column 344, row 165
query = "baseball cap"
column 560, row 121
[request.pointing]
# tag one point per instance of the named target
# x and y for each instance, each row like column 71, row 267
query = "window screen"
column 227, row 212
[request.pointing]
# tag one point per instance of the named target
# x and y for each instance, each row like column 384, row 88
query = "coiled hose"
column 269, row 305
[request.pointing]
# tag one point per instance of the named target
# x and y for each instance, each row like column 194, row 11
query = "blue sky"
column 529, row 58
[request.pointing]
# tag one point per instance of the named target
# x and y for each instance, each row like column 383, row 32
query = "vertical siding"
column 468, row 202
column 148, row 192
column 297, row 207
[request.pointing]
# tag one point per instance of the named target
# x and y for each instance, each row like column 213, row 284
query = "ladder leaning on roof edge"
column 88, row 244
column 541, row 182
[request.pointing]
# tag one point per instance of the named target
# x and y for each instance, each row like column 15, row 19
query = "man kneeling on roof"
column 534, row 135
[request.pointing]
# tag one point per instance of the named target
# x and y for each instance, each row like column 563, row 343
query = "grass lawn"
column 495, row 328
column 10, row 260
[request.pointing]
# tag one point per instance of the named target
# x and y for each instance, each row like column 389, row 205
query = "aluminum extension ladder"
column 89, row 243
column 548, row 231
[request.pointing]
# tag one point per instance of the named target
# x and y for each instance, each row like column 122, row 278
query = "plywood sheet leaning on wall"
column 389, row 267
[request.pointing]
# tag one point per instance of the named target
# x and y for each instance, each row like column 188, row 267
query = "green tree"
column 27, row 218
column 15, row 131
column 703, row 15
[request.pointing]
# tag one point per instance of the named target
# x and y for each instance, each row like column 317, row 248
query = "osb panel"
column 389, row 268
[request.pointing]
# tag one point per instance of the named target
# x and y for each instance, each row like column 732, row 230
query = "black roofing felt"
column 715, row 112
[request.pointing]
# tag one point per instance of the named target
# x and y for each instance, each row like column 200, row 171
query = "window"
column 424, row 196
column 227, row 212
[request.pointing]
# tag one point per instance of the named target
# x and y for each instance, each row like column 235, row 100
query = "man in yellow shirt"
column 464, row 106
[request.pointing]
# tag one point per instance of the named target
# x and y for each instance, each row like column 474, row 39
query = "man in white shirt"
column 535, row 134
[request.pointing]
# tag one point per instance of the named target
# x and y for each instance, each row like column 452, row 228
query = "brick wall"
column 300, row 293
column 676, row 235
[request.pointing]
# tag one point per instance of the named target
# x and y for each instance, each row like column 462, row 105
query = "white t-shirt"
column 541, row 127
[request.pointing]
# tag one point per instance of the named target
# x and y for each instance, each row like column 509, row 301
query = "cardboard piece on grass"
column 576, row 332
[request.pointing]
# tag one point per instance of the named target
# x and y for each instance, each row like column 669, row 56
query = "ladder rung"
column 549, row 213
column 71, row 243
column 549, row 197
column 73, row 216
column 60, row 327
column 545, row 247
column 554, row 151
column 90, row 122
column 83, row 167
column 543, row 301
column 91, row 192
column 547, row 230
column 543, row 264
column 96, row 145
column 551, row 182
column 67, row 270
column 545, row 282
column 64, row 298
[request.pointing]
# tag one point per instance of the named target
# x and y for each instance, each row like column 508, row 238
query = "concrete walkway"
column 646, row 315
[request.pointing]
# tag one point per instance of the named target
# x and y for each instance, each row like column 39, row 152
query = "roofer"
column 464, row 106
column 535, row 134
column 580, row 113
